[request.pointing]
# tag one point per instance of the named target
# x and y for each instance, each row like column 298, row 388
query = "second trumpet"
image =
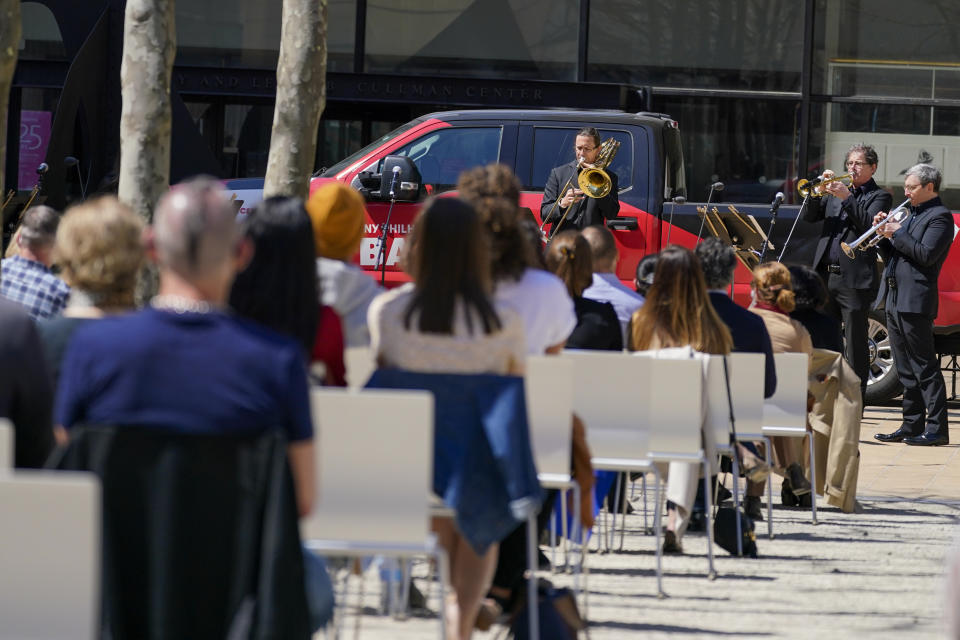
column 872, row 236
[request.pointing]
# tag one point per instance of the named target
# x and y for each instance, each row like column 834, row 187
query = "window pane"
column 881, row 118
column 740, row 44
column 247, row 129
column 246, row 33
column 443, row 154
column 749, row 145
column 510, row 38
column 41, row 38
column 553, row 147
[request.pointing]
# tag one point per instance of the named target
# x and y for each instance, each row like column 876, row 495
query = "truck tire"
column 884, row 383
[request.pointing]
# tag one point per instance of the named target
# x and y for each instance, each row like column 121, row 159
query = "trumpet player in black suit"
column 847, row 213
column 914, row 249
column 580, row 214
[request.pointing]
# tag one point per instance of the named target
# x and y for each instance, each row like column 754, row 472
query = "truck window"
column 442, row 155
column 553, row 146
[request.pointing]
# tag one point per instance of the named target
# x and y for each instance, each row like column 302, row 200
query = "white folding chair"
column 49, row 555
column 6, row 445
column 785, row 413
column 549, row 395
column 391, row 433
column 611, row 394
column 360, row 364
column 675, row 419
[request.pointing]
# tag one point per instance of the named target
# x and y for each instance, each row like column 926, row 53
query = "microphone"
column 71, row 161
column 394, row 180
column 43, row 168
column 777, row 201
column 717, row 186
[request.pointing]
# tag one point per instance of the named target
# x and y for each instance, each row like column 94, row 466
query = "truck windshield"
column 353, row 157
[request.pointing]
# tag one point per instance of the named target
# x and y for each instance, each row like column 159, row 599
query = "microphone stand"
column 673, row 203
column 773, row 222
column 803, row 206
column 382, row 249
column 706, row 206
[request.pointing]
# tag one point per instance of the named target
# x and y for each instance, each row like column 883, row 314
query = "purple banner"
column 34, row 138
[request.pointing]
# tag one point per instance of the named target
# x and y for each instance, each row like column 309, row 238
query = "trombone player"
column 579, row 214
column 846, row 213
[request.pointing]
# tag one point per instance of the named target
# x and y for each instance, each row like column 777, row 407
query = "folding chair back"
column 746, row 388
column 611, row 393
column 360, row 364
column 549, row 392
column 6, row 445
column 787, row 409
column 374, row 466
column 49, row 555
column 675, row 402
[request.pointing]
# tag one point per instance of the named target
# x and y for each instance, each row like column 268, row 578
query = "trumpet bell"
column 595, row 183
column 849, row 251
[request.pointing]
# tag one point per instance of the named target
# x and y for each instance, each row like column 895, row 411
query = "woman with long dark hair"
column 678, row 313
column 446, row 321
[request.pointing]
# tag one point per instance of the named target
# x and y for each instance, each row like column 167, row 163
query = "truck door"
column 541, row 146
column 440, row 156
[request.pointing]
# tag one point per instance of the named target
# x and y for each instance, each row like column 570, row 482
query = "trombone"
column 594, row 183
column 814, row 188
column 897, row 215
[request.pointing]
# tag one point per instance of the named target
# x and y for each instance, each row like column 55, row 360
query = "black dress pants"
column 852, row 308
column 924, row 393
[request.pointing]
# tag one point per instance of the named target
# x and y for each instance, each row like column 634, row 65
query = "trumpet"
column 814, row 188
column 871, row 237
column 594, row 183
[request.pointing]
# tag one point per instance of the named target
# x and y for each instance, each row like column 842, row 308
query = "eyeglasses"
column 852, row 163
column 585, row 148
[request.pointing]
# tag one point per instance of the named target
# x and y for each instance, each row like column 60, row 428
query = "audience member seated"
column 678, row 313
column 773, row 300
column 446, row 321
column 605, row 286
column 26, row 396
column 598, row 327
column 811, row 295
column 27, row 277
column 646, row 268
column 539, row 297
column 99, row 248
column 279, row 288
column 719, row 262
column 338, row 215
column 185, row 364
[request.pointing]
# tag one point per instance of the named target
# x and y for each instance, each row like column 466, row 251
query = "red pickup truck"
column 432, row 150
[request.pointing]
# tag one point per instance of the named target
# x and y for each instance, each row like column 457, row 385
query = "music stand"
column 738, row 231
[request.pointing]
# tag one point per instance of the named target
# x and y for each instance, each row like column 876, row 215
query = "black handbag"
column 558, row 615
column 725, row 531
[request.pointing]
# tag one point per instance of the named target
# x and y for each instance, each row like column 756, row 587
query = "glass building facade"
column 765, row 91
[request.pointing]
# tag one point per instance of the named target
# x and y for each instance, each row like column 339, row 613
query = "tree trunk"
column 301, row 97
column 149, row 46
column 9, row 47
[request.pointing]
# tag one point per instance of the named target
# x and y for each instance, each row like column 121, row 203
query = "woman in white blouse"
column 446, row 321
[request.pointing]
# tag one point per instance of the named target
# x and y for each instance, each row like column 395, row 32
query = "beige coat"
column 835, row 420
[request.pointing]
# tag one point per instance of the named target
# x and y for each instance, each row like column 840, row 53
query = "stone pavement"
column 876, row 574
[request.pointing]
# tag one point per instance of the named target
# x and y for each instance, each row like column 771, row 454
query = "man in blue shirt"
column 606, row 286
column 185, row 363
column 27, row 278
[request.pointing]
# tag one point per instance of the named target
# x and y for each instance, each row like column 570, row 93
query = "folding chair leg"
column 553, row 537
column 768, row 450
column 577, row 565
column 613, row 512
column 643, row 485
column 708, row 503
column 532, row 599
column 656, row 534
column 813, row 479
column 565, row 529
column 736, row 502
column 443, row 569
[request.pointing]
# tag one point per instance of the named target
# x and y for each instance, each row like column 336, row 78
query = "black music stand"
column 738, row 231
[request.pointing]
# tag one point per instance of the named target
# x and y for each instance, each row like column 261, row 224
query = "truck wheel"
column 884, row 383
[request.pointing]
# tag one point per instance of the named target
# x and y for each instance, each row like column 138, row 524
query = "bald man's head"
column 194, row 228
column 603, row 247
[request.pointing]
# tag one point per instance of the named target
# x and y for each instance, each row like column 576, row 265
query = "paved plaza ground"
column 875, row 574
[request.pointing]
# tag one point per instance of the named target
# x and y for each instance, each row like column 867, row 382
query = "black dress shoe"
column 927, row 440
column 896, row 436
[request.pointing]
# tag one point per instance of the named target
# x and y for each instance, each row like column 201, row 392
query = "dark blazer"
column 749, row 335
column 26, row 390
column 824, row 330
column 597, row 326
column 861, row 272
column 914, row 257
column 587, row 212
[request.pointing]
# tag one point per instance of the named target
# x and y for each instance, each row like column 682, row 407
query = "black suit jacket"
column 914, row 257
column 587, row 212
column 861, row 272
column 749, row 335
column 597, row 326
